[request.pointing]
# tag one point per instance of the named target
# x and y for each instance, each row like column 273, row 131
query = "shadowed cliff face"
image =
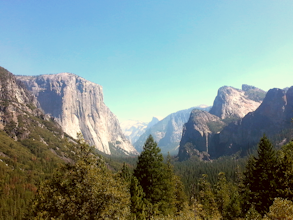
column 197, row 133
column 78, row 106
column 167, row 132
column 272, row 117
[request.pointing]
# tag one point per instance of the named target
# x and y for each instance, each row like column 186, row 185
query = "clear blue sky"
column 152, row 57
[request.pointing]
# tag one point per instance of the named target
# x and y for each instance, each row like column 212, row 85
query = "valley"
column 45, row 118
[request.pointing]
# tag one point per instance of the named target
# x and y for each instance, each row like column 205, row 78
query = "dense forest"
column 149, row 187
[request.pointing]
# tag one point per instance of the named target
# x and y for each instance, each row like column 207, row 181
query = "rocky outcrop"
column 232, row 103
column 273, row 118
column 15, row 103
column 78, row 106
column 197, row 134
column 168, row 132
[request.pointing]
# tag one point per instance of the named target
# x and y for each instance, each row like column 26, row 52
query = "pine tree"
column 153, row 176
column 125, row 173
column 83, row 190
column 284, row 172
column 138, row 206
column 207, row 200
column 259, row 177
column 222, row 194
column 180, row 197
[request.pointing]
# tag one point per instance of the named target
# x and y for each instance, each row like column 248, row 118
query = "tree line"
column 87, row 189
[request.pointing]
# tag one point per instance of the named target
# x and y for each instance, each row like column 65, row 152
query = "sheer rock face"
column 201, row 134
column 272, row 118
column 168, row 132
column 207, row 138
column 197, row 133
column 233, row 103
column 78, row 106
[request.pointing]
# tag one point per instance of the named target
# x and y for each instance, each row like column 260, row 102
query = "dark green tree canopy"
column 156, row 179
column 83, row 190
column 260, row 177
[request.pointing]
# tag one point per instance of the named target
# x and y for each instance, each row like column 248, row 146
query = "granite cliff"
column 168, row 132
column 78, row 106
column 231, row 103
column 197, row 134
column 200, row 134
column 273, row 118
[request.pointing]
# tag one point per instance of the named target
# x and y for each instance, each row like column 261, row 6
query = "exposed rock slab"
column 78, row 106
column 273, row 118
column 233, row 103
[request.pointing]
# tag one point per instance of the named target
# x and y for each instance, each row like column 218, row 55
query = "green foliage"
column 222, row 195
column 163, row 191
column 228, row 120
column 20, row 172
column 125, row 173
column 138, row 206
column 191, row 171
column 281, row 209
column 150, row 174
column 284, row 171
column 259, row 178
column 255, row 95
column 84, row 190
column 207, row 200
column 227, row 198
column 215, row 126
column 253, row 214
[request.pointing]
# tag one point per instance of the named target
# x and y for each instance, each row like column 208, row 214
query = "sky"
column 152, row 57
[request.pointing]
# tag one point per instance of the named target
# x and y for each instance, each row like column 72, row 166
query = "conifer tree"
column 284, row 172
column 138, row 206
column 207, row 199
column 153, row 176
column 259, row 177
column 222, row 194
column 125, row 173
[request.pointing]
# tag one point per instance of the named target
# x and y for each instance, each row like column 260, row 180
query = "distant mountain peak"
column 233, row 103
column 168, row 131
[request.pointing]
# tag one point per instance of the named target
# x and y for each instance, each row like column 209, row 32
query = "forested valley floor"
column 91, row 186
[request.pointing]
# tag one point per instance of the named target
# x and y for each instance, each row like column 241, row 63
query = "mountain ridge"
column 272, row 117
